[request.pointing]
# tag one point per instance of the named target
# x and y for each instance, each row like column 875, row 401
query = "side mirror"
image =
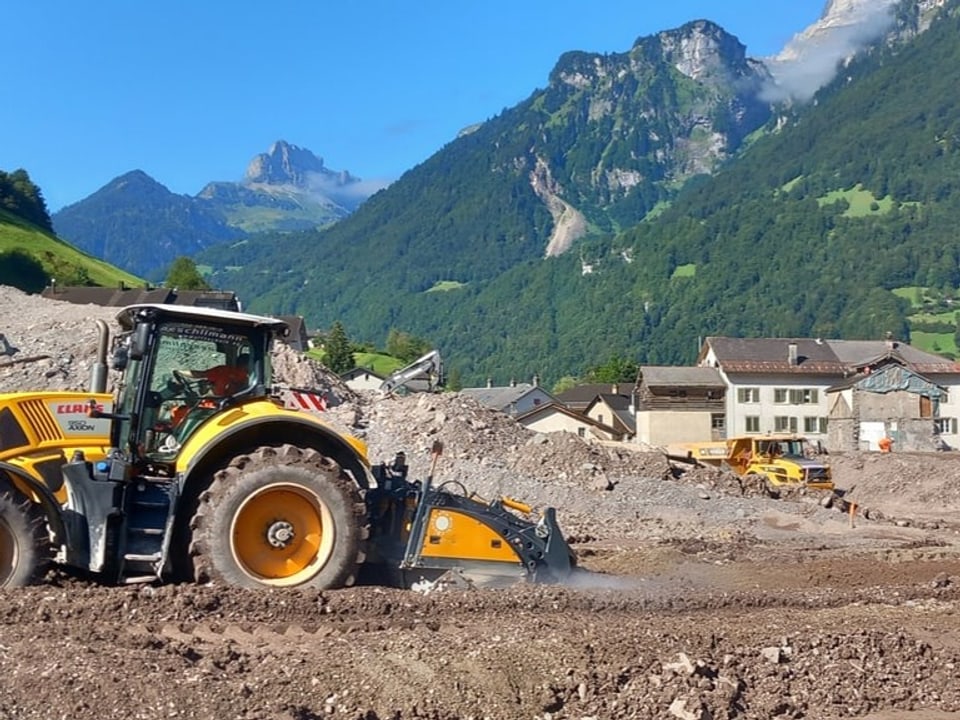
column 120, row 358
column 139, row 340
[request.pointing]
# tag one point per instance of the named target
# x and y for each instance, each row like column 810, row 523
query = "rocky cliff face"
column 290, row 180
column 616, row 130
column 705, row 52
column 850, row 19
column 811, row 58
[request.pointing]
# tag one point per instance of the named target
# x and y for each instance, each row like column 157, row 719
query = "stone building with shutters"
column 888, row 400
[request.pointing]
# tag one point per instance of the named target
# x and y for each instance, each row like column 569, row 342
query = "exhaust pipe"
column 98, row 373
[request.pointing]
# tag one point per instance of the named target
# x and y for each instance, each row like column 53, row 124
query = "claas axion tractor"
column 195, row 470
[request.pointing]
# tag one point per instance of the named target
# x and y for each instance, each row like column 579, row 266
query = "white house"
column 360, row 379
column 781, row 384
column 615, row 410
column 556, row 417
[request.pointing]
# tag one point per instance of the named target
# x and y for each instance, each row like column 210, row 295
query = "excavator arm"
column 429, row 368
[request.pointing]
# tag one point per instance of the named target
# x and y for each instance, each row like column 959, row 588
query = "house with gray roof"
column 514, row 399
column 615, row 410
column 580, row 397
column 360, row 378
column 781, row 384
column 679, row 404
column 888, row 400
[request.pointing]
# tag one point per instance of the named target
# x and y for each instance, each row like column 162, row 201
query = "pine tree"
column 339, row 354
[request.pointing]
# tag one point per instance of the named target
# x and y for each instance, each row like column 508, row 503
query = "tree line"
column 21, row 197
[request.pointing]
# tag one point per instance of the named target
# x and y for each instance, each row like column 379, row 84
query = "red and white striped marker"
column 307, row 401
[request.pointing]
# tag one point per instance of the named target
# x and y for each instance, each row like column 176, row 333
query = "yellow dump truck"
column 789, row 460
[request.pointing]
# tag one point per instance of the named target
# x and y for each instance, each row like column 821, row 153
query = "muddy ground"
column 788, row 627
column 700, row 597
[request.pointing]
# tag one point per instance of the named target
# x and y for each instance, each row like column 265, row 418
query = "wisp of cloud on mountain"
column 812, row 58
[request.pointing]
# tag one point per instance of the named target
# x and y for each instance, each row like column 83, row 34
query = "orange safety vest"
column 226, row 379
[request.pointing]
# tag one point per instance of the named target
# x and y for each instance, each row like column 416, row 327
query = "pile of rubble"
column 50, row 345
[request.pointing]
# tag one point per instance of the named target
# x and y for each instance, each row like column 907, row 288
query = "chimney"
column 536, row 380
column 792, row 354
column 489, row 382
column 513, row 382
column 891, row 343
column 615, row 390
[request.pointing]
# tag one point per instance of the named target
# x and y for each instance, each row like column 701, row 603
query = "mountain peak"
column 702, row 49
column 844, row 25
column 133, row 176
column 284, row 164
column 134, row 183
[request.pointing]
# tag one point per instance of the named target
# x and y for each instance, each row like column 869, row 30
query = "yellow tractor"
column 194, row 470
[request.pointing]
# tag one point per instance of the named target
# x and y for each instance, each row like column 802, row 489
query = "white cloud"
column 348, row 192
column 811, row 59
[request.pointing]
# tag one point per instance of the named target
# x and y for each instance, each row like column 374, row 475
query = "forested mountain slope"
column 804, row 234
column 137, row 224
column 808, row 232
column 609, row 139
column 31, row 257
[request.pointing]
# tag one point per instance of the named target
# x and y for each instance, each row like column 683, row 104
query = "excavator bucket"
column 426, row 371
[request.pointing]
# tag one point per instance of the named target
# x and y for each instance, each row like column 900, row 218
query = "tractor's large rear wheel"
column 280, row 517
column 23, row 542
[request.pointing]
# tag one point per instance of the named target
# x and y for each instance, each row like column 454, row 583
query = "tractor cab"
column 180, row 366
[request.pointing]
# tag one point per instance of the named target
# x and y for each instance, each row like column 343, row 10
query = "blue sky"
column 189, row 92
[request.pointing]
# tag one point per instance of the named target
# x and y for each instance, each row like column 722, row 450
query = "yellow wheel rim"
column 282, row 535
column 9, row 552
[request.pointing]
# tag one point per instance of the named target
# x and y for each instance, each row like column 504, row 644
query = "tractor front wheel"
column 280, row 517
